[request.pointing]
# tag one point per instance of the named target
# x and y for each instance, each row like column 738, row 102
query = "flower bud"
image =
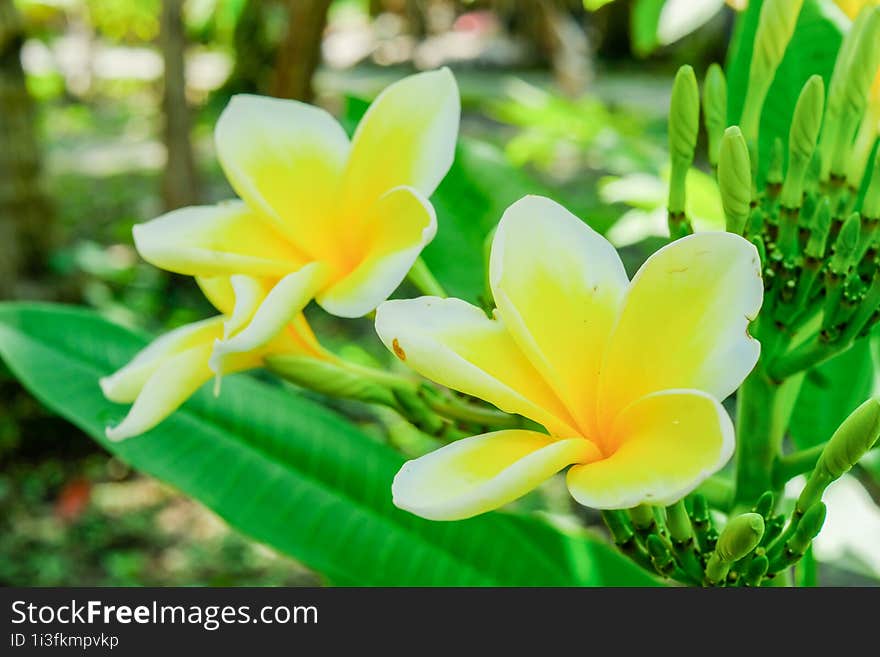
column 856, row 435
column 853, row 438
column 684, row 115
column 756, row 570
column 715, row 109
column 740, row 536
column 775, row 28
column 329, row 379
column 735, row 179
column 661, row 556
column 678, row 523
column 846, row 245
column 802, row 136
column 777, row 157
column 854, row 72
column 808, row 528
column 764, row 505
column 821, row 227
column 684, row 124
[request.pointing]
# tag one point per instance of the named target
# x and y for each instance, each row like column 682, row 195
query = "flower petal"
column 279, row 308
column 124, row 385
column 456, row 345
column 397, row 228
column 220, row 291
column 558, row 286
column 169, row 386
column 665, row 444
column 407, row 137
column 285, row 159
column 208, row 240
column 172, row 383
column 685, row 322
column 478, row 474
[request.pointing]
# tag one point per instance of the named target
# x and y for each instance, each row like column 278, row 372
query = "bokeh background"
column 106, row 116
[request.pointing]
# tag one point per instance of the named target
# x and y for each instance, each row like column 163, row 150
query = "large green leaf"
column 290, row 473
column 830, row 393
column 812, row 49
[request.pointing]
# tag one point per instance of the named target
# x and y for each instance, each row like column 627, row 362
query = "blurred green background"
column 106, row 116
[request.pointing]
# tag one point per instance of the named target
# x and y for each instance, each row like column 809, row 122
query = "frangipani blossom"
column 320, row 217
column 626, row 377
column 169, row 370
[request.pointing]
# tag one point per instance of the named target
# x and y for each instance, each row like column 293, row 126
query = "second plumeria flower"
column 626, row 377
column 321, row 216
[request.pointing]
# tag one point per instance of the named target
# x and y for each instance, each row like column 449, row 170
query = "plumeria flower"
column 169, row 370
column 321, row 216
column 625, row 376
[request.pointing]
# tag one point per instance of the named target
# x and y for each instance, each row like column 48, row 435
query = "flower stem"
column 764, row 408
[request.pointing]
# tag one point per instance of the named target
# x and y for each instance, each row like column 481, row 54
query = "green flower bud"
column 808, row 528
column 740, row 536
column 777, row 160
column 863, row 65
column 756, row 570
column 643, row 518
column 849, row 90
column 660, row 554
column 772, row 529
column 846, row 245
column 871, row 204
column 821, row 227
column 684, row 124
column 807, row 119
column 853, row 438
column 764, row 505
column 621, row 531
column 329, row 379
column 735, row 179
column 715, row 109
column 678, row 523
column 684, row 116
column 775, row 28
column 802, row 136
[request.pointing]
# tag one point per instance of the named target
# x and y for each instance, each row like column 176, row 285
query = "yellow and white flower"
column 169, row 370
column 320, row 216
column 626, row 377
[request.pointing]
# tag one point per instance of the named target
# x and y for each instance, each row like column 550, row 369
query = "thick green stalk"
column 764, row 408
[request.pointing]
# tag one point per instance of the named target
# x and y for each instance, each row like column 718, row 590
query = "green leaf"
column 812, row 50
column 830, row 393
column 290, row 473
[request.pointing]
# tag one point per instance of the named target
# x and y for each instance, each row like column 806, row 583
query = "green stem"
column 424, row 280
column 789, row 466
column 763, row 410
column 455, row 409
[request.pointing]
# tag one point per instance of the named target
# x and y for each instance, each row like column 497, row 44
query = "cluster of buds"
column 814, row 212
column 681, row 541
column 811, row 207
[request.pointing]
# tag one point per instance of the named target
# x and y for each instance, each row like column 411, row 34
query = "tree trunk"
column 300, row 51
column 179, row 181
column 26, row 224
